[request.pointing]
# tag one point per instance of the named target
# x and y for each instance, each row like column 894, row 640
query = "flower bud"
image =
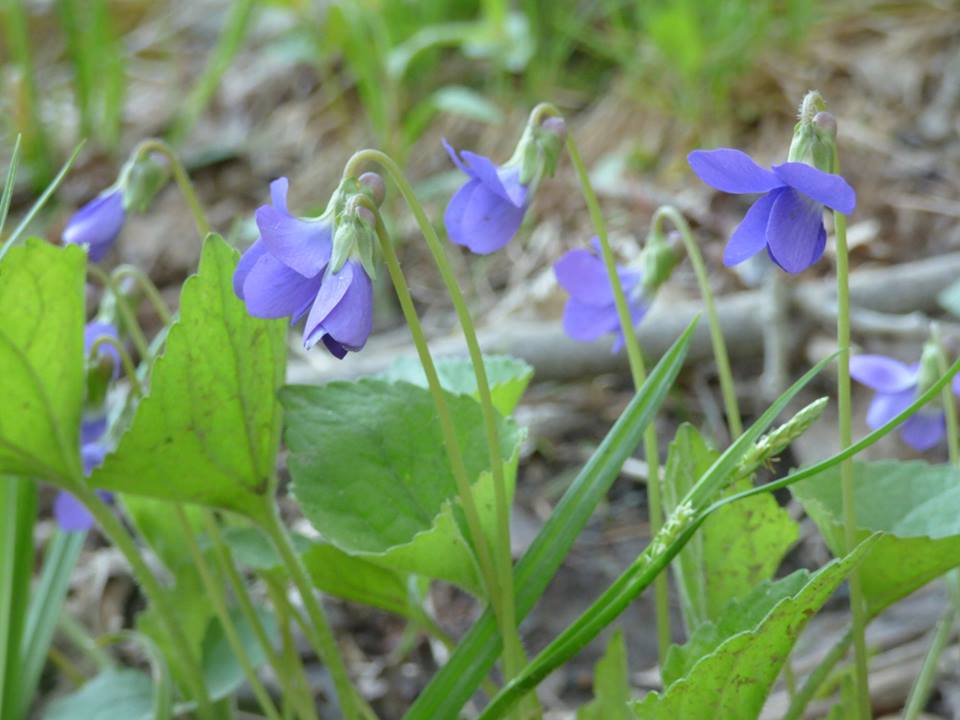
column 355, row 236
column 659, row 257
column 141, row 181
column 815, row 135
column 930, row 361
column 538, row 151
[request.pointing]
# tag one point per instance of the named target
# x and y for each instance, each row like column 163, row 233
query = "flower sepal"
column 355, row 237
column 659, row 257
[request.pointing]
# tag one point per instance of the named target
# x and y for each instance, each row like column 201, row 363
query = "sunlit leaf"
column 611, row 686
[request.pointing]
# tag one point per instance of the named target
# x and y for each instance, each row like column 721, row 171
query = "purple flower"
column 591, row 312
column 69, row 512
column 95, row 330
column 280, row 274
column 486, row 212
column 97, row 224
column 895, row 384
column 788, row 218
column 342, row 314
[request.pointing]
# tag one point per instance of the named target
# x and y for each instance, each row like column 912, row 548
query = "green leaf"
column 728, row 668
column 331, row 570
column 452, row 686
column 208, row 430
column 611, row 686
column 41, row 361
column 114, row 693
column 917, row 507
column 222, row 671
column 508, row 377
column 158, row 523
column 370, row 472
column 739, row 545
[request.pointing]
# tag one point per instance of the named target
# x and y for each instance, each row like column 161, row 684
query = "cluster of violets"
column 321, row 268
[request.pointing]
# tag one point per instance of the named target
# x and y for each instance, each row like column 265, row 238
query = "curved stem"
column 127, row 317
column 500, row 585
column 857, row 605
column 227, row 566
column 215, row 593
column 129, row 369
column 352, row 704
column 180, row 176
column 720, row 355
column 149, row 289
column 117, row 535
column 638, row 372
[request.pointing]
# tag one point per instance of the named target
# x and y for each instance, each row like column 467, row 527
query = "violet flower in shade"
column 280, row 274
column 93, row 331
column 70, row 513
column 342, row 314
column 591, row 312
column 787, row 219
column 97, row 224
column 895, row 384
column 486, row 212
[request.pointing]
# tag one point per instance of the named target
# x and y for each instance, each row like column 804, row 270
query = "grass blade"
column 7, row 196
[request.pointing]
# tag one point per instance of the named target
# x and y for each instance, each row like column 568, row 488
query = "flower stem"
column 920, row 692
column 720, row 355
column 949, row 403
column 500, row 585
column 799, row 702
column 857, row 605
column 215, row 593
column 352, row 704
column 148, row 288
column 127, row 317
column 181, row 177
column 117, row 535
column 639, row 374
column 454, row 452
column 129, row 369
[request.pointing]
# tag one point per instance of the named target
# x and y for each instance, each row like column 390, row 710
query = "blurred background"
column 254, row 89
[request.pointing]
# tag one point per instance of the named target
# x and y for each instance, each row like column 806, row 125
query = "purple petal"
column 750, row 237
column 346, row 313
column 92, row 429
column 882, row 373
column 885, row 407
column 923, row 430
column 92, row 455
column 97, row 224
column 732, row 171
column 795, row 233
column 830, row 190
column 480, row 220
column 273, row 290
column 586, row 323
column 95, row 330
column 493, row 177
column 278, row 194
column 303, row 245
column 456, row 158
column 335, row 348
column 955, row 384
column 70, row 513
column 583, row 275
column 247, row 261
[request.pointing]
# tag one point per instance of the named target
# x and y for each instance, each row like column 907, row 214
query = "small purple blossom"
column 95, row 330
column 342, row 314
column 591, row 312
column 486, row 212
column 280, row 274
column 895, row 384
column 70, row 513
column 97, row 224
column 787, row 219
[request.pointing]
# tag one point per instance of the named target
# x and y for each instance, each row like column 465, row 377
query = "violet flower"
column 591, row 312
column 97, row 224
column 342, row 314
column 896, row 386
column 70, row 513
column 280, row 274
column 92, row 332
column 486, row 212
column 788, row 219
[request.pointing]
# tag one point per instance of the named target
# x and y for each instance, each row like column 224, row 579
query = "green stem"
column 500, row 582
column 227, row 566
column 117, row 535
column 949, row 403
column 82, row 640
column 127, row 317
column 799, row 702
column 148, row 288
column 720, row 355
column 857, row 606
column 180, row 176
column 128, row 367
column 352, row 704
column 290, row 657
column 920, row 691
column 638, row 372
column 215, row 593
